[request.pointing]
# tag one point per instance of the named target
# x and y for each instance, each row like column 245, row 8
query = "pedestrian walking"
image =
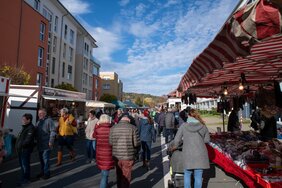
column 147, row 136
column 124, row 139
column 169, row 125
column 194, row 135
column 45, row 135
column 66, row 133
column 161, row 122
column 90, row 140
column 24, row 148
column 104, row 157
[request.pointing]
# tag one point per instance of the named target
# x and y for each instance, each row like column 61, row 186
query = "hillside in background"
column 146, row 99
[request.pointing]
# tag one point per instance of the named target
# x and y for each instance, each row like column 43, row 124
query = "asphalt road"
column 83, row 175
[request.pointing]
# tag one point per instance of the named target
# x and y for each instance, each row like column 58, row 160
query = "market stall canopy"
column 251, row 38
column 99, row 104
column 129, row 104
column 119, row 104
column 263, row 65
column 60, row 98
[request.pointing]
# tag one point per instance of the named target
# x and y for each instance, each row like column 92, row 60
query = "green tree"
column 108, row 98
column 17, row 75
column 66, row 86
column 139, row 101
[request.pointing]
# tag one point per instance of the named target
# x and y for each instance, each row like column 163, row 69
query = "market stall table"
column 253, row 175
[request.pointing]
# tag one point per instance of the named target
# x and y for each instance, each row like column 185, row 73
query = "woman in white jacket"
column 90, row 141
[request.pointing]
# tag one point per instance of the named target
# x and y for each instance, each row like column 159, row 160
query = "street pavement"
column 83, row 175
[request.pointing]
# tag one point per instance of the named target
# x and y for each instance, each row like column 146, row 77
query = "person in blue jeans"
column 194, row 135
column 90, row 141
column 45, row 136
column 104, row 157
column 147, row 136
column 24, row 146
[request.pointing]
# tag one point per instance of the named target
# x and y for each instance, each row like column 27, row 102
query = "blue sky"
column 150, row 43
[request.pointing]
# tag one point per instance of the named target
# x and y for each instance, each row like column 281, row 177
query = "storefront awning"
column 63, row 98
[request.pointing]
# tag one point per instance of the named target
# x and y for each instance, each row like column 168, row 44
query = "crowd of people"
column 116, row 141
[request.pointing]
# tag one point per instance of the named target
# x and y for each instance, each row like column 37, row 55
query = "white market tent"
column 99, row 104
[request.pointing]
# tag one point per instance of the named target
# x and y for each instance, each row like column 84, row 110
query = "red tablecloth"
column 248, row 176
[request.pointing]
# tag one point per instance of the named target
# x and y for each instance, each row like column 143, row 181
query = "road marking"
column 165, row 162
column 33, row 164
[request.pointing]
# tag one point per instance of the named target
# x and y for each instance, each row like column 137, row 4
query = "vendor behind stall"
column 268, row 124
column 233, row 121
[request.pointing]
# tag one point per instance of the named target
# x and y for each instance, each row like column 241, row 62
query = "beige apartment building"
column 111, row 84
column 69, row 50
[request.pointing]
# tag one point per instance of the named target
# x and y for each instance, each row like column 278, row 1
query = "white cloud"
column 108, row 42
column 76, row 7
column 140, row 29
column 140, row 9
column 124, row 2
column 155, row 63
column 166, row 41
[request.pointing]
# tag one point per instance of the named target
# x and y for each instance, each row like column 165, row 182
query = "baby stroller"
column 175, row 166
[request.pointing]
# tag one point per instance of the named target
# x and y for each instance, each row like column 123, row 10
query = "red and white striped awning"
column 263, row 65
column 233, row 50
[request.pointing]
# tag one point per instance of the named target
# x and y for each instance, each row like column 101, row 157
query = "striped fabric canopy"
column 242, row 45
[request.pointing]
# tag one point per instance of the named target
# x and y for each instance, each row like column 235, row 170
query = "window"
column 71, row 36
column 53, row 65
column 106, row 86
column 64, row 50
column 84, row 90
column 56, row 24
column 52, row 82
column 85, row 63
column 66, row 32
column 86, row 49
column 36, row 5
column 40, row 57
column 55, row 44
column 95, row 71
column 84, row 78
column 69, row 75
column 63, row 69
column 90, row 81
column 42, row 31
column 71, row 54
column 96, row 85
column 39, row 79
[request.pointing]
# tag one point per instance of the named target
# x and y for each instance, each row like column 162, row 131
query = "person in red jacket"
column 104, row 158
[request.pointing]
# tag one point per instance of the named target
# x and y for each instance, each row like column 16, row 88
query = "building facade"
column 24, row 39
column 69, row 47
column 111, row 84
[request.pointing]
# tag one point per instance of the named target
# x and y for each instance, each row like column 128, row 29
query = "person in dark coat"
column 194, row 135
column 104, row 158
column 24, row 147
column 233, row 121
column 45, row 136
column 268, row 125
column 169, row 125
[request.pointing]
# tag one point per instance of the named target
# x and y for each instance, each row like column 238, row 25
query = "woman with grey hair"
column 104, row 158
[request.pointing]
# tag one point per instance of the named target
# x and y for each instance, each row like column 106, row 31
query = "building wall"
column 20, row 39
column 97, row 87
column 64, row 69
column 111, row 84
